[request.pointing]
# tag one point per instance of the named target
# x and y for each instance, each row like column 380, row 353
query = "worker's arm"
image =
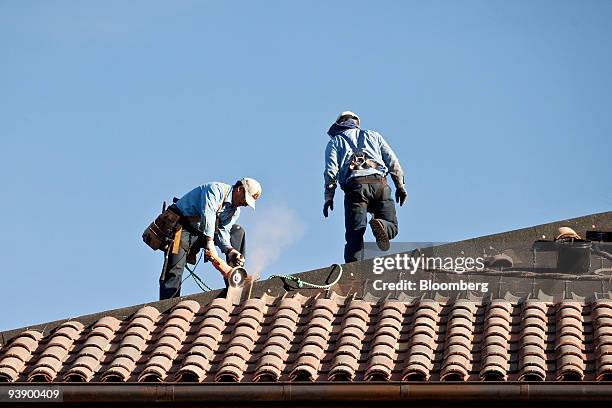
column 397, row 174
column 222, row 237
column 330, row 176
column 390, row 159
column 213, row 196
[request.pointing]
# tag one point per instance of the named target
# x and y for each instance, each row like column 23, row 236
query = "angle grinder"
column 234, row 276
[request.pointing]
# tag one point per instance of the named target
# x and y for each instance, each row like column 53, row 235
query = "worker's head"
column 347, row 115
column 245, row 192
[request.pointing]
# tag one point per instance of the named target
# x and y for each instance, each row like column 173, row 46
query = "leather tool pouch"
column 160, row 233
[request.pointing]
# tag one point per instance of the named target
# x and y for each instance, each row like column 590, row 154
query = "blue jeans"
column 171, row 278
column 374, row 196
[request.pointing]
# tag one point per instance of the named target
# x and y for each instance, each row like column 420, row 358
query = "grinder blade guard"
column 237, row 277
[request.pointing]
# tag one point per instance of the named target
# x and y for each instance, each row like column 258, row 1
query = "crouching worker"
column 206, row 217
column 359, row 160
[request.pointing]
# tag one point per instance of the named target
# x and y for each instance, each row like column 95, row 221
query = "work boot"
column 382, row 239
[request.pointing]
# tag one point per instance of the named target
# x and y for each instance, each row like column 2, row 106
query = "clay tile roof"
column 325, row 339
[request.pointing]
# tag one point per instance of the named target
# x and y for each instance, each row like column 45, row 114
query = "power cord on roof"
column 195, row 277
column 301, row 283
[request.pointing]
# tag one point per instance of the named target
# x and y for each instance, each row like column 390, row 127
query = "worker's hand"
column 234, row 258
column 329, row 205
column 400, row 195
column 210, row 247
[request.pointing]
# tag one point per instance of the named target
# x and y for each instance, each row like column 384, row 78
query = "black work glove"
column 400, row 192
column 330, row 189
column 400, row 195
column 329, row 205
column 234, row 258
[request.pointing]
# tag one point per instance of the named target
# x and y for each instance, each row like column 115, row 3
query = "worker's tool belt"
column 369, row 179
column 167, row 227
column 160, row 233
column 187, row 223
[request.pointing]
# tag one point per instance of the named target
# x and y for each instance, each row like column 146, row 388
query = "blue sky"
column 498, row 111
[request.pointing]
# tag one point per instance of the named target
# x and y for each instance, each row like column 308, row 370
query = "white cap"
column 252, row 190
column 348, row 113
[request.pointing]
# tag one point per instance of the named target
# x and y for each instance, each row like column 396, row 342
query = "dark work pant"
column 359, row 199
column 170, row 281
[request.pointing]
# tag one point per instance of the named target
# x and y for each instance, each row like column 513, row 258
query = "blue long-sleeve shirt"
column 339, row 151
column 212, row 202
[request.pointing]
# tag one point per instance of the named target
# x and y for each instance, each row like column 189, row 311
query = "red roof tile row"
column 325, row 339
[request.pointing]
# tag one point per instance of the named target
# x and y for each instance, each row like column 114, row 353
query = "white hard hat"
column 252, row 190
column 347, row 113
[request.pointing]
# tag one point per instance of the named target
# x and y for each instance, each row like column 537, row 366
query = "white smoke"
column 274, row 229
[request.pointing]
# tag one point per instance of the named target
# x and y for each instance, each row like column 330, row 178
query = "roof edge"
column 328, row 392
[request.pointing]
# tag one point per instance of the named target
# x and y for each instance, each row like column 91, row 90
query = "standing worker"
column 208, row 216
column 359, row 160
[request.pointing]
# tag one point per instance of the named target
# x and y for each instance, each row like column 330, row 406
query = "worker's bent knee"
column 238, row 238
column 237, row 231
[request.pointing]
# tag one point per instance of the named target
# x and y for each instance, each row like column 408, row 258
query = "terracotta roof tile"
column 242, row 340
column 17, row 354
column 69, row 329
column 54, row 353
column 275, row 349
column 28, row 339
column 569, row 345
column 169, row 342
column 456, row 363
column 326, row 339
column 21, row 353
column 314, row 341
column 132, row 345
column 128, row 351
column 494, row 353
column 601, row 315
column 532, row 353
column 349, row 340
column 108, row 322
column 423, row 333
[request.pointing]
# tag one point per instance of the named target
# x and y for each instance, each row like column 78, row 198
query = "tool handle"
column 218, row 263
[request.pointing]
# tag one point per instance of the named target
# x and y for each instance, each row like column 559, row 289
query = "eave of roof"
column 332, row 393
